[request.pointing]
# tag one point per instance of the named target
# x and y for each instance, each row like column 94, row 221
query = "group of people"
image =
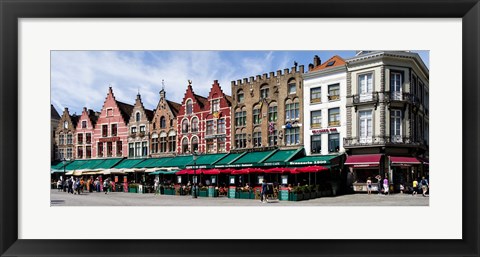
column 78, row 185
column 383, row 185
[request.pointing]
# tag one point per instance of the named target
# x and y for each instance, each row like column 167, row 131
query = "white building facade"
column 325, row 116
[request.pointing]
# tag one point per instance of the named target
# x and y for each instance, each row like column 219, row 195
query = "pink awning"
column 404, row 160
column 311, row 169
column 366, row 160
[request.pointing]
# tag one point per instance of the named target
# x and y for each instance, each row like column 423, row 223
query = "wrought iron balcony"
column 377, row 140
column 367, row 98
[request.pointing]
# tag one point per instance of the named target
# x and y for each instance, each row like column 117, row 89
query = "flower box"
column 203, row 193
column 169, row 191
column 244, row 195
column 295, row 197
column 132, row 189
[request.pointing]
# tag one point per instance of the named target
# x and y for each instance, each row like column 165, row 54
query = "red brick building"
column 203, row 124
column 111, row 131
column 84, row 134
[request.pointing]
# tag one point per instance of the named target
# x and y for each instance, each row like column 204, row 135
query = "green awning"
column 91, row 164
column 315, row 160
column 206, row 160
column 179, row 161
column 160, row 162
column 168, row 172
column 227, row 159
column 59, row 166
column 108, row 163
column 279, row 158
column 77, row 164
column 154, row 173
column 128, row 163
column 253, row 158
column 147, row 163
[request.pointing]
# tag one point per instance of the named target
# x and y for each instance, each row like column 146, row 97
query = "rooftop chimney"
column 316, row 61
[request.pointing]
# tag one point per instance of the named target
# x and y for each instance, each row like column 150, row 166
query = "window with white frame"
column 264, row 92
column 184, row 145
column 80, row 152
column 396, row 85
column 257, row 116
column 365, row 86
column 185, row 126
column 61, row 139
column 292, row 109
column 163, row 144
column 216, row 105
column 69, row 139
column 189, row 106
column 69, row 153
column 144, row 148
column 133, row 130
column 292, row 87
column 292, row 136
column 131, row 150
column 241, row 117
column 138, row 149
column 365, row 126
column 334, row 117
column 334, row 142
column 240, row 96
column 272, row 112
column 396, row 125
column 209, row 143
column 257, row 138
column 194, row 144
column 316, row 119
column 209, row 127
column 172, row 143
column 334, row 92
column 221, row 126
column 316, row 143
column 194, row 124
column 221, row 147
column 316, row 95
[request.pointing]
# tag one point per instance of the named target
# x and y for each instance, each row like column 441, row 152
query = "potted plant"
column 296, row 194
column 203, row 191
column 170, row 190
column 133, row 188
column 306, row 192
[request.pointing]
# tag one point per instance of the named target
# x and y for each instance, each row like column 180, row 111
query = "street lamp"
column 64, row 176
column 194, row 155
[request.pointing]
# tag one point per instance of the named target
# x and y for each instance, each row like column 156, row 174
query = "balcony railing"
column 365, row 98
column 372, row 141
column 316, row 125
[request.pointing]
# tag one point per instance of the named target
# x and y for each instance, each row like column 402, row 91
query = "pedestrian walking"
column 157, row 185
column 424, row 184
column 379, row 184
column 415, row 187
column 70, row 185
column 369, row 186
column 385, row 186
column 263, row 196
column 105, row 186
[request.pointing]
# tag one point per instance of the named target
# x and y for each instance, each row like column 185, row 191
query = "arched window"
column 162, row 122
column 272, row 112
column 257, row 137
column 184, row 145
column 194, row 124
column 137, row 117
column 264, row 91
column 240, row 96
column 292, row 87
column 194, row 144
column 185, row 126
column 257, row 114
column 189, row 106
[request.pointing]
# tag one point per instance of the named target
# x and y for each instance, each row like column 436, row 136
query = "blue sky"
column 82, row 78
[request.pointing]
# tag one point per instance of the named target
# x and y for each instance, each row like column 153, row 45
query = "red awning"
column 211, row 172
column 367, row 160
column 404, row 160
column 190, row 171
column 276, row 170
column 246, row 171
column 311, row 169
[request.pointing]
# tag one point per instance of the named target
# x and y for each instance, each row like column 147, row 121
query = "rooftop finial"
column 163, row 84
column 189, row 82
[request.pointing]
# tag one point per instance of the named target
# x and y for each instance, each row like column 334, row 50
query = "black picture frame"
column 11, row 11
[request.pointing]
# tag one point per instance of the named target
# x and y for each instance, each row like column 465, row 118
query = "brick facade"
column 108, row 141
column 268, row 110
column 197, row 115
column 84, row 134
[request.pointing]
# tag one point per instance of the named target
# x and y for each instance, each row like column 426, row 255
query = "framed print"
column 34, row 31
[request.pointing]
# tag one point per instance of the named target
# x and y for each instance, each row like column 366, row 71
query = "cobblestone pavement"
column 131, row 199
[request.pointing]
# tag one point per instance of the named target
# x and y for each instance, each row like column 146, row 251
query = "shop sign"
column 323, row 131
column 109, row 139
column 196, row 167
column 272, row 164
column 308, row 163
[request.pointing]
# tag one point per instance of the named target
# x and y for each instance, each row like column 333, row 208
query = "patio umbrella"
column 276, row 170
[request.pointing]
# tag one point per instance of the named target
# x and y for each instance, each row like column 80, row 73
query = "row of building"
column 373, row 107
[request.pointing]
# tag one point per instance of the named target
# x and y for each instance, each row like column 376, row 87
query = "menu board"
column 231, row 193
column 284, row 194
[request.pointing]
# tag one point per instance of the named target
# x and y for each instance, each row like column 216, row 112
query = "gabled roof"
column 93, row 115
column 202, row 101
column 125, row 110
column 175, row 107
column 53, row 113
column 229, row 99
column 332, row 62
column 149, row 114
column 74, row 118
